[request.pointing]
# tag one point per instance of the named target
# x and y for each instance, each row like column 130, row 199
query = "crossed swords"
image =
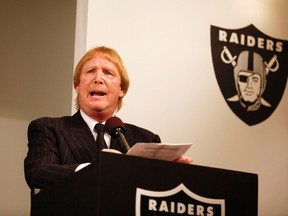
column 227, row 58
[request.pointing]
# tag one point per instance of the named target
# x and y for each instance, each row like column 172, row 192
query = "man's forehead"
column 99, row 61
column 248, row 73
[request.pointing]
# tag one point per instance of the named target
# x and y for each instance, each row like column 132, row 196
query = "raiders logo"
column 177, row 201
column 251, row 71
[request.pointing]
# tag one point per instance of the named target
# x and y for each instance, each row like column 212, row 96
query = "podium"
column 122, row 185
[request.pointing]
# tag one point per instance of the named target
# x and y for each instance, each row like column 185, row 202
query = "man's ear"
column 76, row 88
column 121, row 94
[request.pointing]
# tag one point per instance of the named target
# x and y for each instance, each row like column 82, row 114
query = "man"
column 57, row 147
column 250, row 81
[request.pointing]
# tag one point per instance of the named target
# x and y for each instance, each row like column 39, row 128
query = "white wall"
column 165, row 45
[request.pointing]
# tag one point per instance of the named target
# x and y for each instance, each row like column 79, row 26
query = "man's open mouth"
column 97, row 93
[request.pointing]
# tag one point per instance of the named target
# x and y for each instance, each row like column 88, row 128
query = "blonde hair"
column 112, row 56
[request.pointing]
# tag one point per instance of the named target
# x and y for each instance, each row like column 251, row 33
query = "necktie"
column 100, row 136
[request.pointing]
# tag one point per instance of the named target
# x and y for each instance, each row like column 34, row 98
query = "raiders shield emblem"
column 251, row 71
column 177, row 201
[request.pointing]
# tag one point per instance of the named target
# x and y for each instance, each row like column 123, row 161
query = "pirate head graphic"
column 243, row 61
column 250, row 80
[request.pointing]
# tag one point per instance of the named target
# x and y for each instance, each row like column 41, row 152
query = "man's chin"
column 99, row 109
column 250, row 100
column 102, row 109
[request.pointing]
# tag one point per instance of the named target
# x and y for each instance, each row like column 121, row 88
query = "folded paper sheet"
column 162, row 151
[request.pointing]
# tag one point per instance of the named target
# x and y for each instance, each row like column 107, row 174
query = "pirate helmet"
column 250, row 62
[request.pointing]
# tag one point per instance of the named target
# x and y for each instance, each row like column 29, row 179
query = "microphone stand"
column 122, row 138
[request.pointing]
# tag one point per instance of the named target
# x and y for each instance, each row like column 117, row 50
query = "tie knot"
column 99, row 127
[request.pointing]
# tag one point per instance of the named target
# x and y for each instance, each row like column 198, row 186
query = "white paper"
column 162, row 151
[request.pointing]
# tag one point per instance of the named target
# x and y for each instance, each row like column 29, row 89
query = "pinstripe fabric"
column 56, row 146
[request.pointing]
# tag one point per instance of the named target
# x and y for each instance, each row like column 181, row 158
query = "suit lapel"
column 80, row 139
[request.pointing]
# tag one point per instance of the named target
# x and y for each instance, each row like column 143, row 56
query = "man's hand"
column 184, row 159
column 111, row 151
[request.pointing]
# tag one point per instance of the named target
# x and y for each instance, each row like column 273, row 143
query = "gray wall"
column 36, row 58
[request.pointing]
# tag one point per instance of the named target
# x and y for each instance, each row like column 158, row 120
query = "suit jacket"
column 56, row 146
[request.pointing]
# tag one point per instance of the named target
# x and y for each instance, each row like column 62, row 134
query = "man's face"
column 249, row 85
column 99, row 87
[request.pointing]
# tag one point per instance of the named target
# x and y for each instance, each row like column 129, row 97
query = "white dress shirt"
column 91, row 124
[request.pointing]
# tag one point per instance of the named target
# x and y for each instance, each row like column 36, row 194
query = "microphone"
column 116, row 128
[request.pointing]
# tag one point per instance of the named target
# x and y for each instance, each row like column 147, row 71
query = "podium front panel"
column 126, row 185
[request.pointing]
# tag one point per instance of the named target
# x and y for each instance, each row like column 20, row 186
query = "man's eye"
column 108, row 72
column 243, row 78
column 91, row 71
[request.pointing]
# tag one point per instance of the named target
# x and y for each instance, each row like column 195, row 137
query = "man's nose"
column 249, row 81
column 98, row 77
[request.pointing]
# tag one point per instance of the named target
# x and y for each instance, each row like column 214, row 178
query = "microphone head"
column 114, row 125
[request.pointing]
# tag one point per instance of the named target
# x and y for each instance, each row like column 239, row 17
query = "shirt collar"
column 89, row 121
column 91, row 124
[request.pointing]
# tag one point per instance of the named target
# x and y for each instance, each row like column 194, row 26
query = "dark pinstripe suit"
column 58, row 145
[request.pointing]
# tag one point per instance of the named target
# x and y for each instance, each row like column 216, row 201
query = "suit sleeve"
column 135, row 134
column 42, row 164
